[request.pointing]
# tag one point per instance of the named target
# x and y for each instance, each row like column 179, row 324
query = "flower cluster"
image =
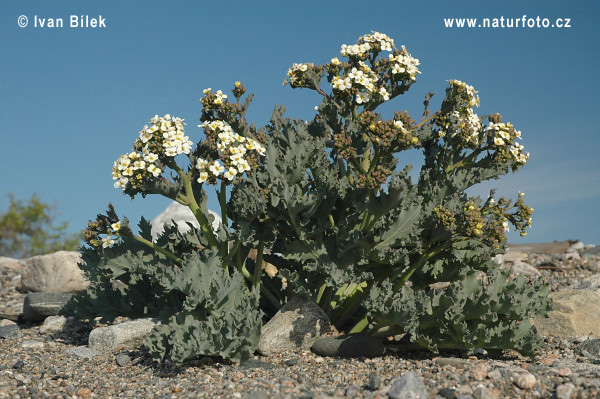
column 234, row 150
column 404, row 64
column 463, row 94
column 297, row 73
column 103, row 232
column 162, row 140
column 372, row 42
column 503, row 136
column 217, row 97
column 394, row 134
column 464, row 125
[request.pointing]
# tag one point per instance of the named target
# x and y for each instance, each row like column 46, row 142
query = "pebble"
column 123, row 359
column 10, row 332
column 408, row 386
column 374, row 382
column 82, row 352
column 526, row 381
column 348, row 346
column 564, row 391
column 31, row 344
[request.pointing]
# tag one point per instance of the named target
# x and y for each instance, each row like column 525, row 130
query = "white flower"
column 355, row 74
column 206, row 91
column 201, row 163
column 116, row 226
column 243, row 166
column 107, row 242
column 362, row 98
column 154, row 170
column 216, row 168
column 150, row 157
column 231, row 173
column 335, row 61
column 505, row 225
column 203, row 177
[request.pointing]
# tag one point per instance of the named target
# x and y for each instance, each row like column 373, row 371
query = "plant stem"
column 258, row 264
column 158, row 249
column 422, row 259
column 223, row 202
column 193, row 205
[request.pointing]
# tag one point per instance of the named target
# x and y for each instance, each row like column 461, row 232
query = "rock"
column 480, row 372
column 31, row 344
column 575, row 247
column 82, row 352
column 10, row 332
column 39, row 305
column 10, row 263
column 180, row 215
column 53, row 324
column 56, row 272
column 409, row 386
column 107, row 339
column 452, row 361
column 525, row 269
column 348, row 346
column 513, row 255
column 257, row 364
column 525, row 381
column 564, row 391
column 499, row 259
column 568, row 256
column 481, row 392
column 19, row 364
column 352, row 390
column 576, row 312
column 294, row 327
column 589, row 348
column 591, row 283
column 594, row 266
column 260, row 394
column 122, row 359
column 374, row 382
column 447, row 393
column 591, row 252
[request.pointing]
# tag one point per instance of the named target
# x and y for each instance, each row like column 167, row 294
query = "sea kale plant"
column 332, row 205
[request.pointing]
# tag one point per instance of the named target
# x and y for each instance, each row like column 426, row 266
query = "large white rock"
column 129, row 333
column 575, row 313
column 180, row 215
column 56, row 272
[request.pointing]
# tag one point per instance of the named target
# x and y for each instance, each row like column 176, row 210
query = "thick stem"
column 158, row 249
column 259, row 263
column 223, row 202
column 193, row 205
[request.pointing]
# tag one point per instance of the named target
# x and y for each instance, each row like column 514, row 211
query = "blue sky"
column 73, row 99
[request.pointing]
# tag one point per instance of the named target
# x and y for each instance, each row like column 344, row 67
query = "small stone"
column 53, row 324
column 409, row 386
column 452, row 361
column 495, row 375
column 465, row 390
column 565, row 372
column 480, row 372
column 10, row 332
column 352, row 390
column 19, row 364
column 30, row 344
column 82, row 352
column 594, row 266
column 122, row 359
column 84, row 393
column 39, row 305
column 564, row 391
column 71, row 389
column 524, row 269
column 56, row 272
column 578, row 246
column 374, row 382
column 526, row 381
column 481, row 392
column 260, row 394
column 349, row 346
column 447, row 393
column 589, row 348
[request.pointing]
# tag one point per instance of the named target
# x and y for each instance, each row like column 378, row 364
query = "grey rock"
column 71, row 389
column 564, row 391
column 499, row 259
column 452, row 361
column 593, row 251
column 19, row 364
column 32, row 344
column 348, row 346
column 123, row 359
column 525, row 269
column 447, row 393
column 374, row 382
column 513, row 255
column 568, row 256
column 575, row 313
column 260, row 394
column 409, row 386
column 464, row 396
column 294, row 327
column 107, row 339
column 56, row 272
column 591, row 283
column 257, row 364
column 10, row 332
column 39, row 305
column 180, row 215
column 578, row 246
column 10, row 263
column 53, row 324
column 589, row 348
column 82, row 352
column 594, row 266
column 481, row 392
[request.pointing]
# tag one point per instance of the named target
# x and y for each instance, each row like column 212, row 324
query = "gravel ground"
column 38, row 366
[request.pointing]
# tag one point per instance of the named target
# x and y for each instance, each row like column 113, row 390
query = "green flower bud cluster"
column 104, row 231
column 375, row 179
column 394, row 134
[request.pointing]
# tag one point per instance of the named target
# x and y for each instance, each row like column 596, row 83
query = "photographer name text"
column 73, row 21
